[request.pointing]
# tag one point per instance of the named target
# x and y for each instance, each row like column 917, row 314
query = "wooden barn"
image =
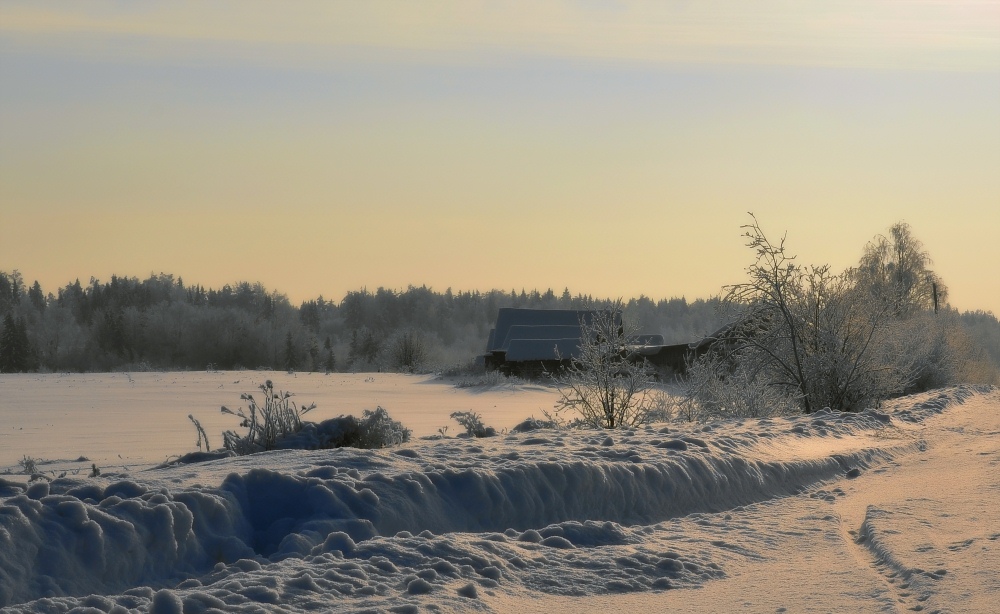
column 530, row 342
column 671, row 360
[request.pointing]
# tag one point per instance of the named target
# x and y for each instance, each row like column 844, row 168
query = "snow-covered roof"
column 521, row 350
column 509, row 316
column 552, row 331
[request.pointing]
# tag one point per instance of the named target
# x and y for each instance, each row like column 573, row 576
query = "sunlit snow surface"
column 469, row 525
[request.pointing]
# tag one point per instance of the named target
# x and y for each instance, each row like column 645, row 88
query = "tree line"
column 789, row 323
column 161, row 323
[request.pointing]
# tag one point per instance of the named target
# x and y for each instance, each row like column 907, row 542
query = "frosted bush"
column 717, row 388
column 471, row 367
column 602, row 384
column 29, row 466
column 534, row 424
column 373, row 430
column 378, row 430
column 278, row 416
column 473, row 424
column 489, row 379
column 276, row 424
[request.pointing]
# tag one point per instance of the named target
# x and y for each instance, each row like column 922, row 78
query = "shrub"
column 378, row 430
column 473, row 366
column 489, row 379
column 278, row 424
column 29, row 466
column 473, row 424
column 534, row 424
column 374, row 430
column 717, row 388
column 603, row 384
column 664, row 406
column 939, row 351
column 278, row 416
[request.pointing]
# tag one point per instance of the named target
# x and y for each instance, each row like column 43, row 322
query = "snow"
column 136, row 419
column 887, row 510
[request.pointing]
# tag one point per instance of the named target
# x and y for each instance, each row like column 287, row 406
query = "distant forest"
column 162, row 323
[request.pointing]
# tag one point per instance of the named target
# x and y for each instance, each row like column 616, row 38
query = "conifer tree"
column 7, row 343
column 290, row 360
column 331, row 360
column 15, row 347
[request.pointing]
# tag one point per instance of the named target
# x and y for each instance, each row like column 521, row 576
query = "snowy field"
column 893, row 510
column 140, row 419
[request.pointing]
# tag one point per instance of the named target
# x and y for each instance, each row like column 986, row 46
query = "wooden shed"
column 530, row 342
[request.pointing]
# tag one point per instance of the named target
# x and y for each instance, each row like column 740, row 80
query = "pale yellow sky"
column 611, row 147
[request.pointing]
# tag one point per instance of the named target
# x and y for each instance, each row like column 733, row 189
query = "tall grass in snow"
column 276, row 416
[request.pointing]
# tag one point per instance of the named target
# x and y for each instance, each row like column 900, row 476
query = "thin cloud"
column 960, row 35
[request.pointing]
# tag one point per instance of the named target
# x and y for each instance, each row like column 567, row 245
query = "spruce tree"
column 7, row 344
column 290, row 360
column 15, row 348
column 23, row 354
column 331, row 360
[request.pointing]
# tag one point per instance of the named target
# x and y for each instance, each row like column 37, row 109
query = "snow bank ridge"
column 75, row 537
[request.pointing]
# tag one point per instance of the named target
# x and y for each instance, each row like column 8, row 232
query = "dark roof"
column 721, row 334
column 647, row 340
column 551, row 331
column 521, row 350
column 510, row 316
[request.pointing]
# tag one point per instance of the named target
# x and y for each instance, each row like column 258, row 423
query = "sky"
column 614, row 148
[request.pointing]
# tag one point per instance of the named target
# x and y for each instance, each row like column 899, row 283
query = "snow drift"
column 449, row 517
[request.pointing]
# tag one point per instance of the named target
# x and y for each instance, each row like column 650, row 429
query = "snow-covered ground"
column 137, row 419
column 882, row 511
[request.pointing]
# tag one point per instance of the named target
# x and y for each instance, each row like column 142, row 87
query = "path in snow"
column 931, row 525
column 919, row 534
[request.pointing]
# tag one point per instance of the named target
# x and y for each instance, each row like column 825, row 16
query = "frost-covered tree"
column 807, row 334
column 602, row 384
column 330, row 362
column 313, row 354
column 15, row 347
column 408, row 352
column 291, row 353
column 364, row 348
column 897, row 267
column 10, row 290
column 36, row 297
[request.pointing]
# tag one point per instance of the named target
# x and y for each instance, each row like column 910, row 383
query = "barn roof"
column 521, row 350
column 551, row 331
column 510, row 316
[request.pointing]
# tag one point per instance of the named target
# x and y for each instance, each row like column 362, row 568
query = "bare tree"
column 603, row 384
column 408, row 352
column 813, row 337
column 898, row 267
